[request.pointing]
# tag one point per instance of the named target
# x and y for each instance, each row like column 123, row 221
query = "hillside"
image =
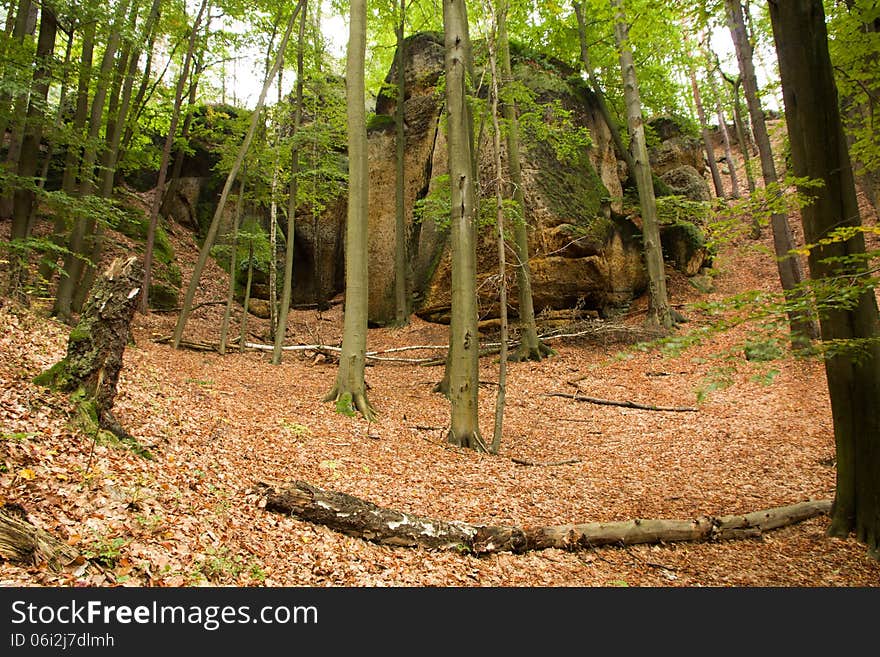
column 217, row 426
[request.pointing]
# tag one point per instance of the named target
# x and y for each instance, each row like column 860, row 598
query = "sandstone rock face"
column 578, row 255
column 679, row 159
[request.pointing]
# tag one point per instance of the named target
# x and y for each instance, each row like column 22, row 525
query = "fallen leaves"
column 218, row 425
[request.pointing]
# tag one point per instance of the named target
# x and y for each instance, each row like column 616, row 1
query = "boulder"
column 686, row 181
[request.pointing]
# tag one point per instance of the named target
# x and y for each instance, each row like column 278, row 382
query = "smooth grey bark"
column 166, row 157
column 211, row 235
column 498, row 428
column 350, row 390
column 659, row 312
column 803, row 328
column 722, row 129
column 819, row 151
column 707, row 138
column 23, row 197
column 233, row 267
column 84, row 227
column 401, row 287
column 531, row 347
column 293, row 192
column 463, row 359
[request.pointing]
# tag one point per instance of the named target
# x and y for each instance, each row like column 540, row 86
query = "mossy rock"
column 163, row 296
column 381, row 123
column 574, row 191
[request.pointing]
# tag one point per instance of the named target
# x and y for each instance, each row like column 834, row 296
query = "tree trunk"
column 166, row 156
column 707, row 138
column 17, row 117
column 803, row 328
column 619, row 146
column 659, row 313
column 114, row 133
column 353, row 516
column 401, row 288
column 247, row 297
column 96, row 345
column 84, row 227
column 24, row 198
column 292, row 204
column 73, row 156
column 205, row 251
column 463, row 360
column 233, row 268
column 531, row 347
column 496, row 30
column 349, row 392
column 819, row 151
column 722, row 128
column 22, row 542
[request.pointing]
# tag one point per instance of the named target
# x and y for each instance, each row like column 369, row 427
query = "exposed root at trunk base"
column 356, row 517
column 350, row 404
column 537, row 352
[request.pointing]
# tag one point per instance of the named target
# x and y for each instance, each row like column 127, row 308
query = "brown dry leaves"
column 217, row 425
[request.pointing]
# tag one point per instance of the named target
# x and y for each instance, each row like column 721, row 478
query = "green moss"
column 380, row 122
column 134, row 223
column 345, row 405
column 574, row 191
column 163, row 297
column 56, row 377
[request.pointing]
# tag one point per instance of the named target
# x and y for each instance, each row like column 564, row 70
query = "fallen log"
column 353, row 516
column 22, row 542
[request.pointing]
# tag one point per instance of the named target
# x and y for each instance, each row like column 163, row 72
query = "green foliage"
column 436, row 206
column 673, row 209
column 105, row 551
column 730, row 222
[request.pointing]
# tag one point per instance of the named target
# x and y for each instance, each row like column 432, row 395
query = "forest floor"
column 219, row 425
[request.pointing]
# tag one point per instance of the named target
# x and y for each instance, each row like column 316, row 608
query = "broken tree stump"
column 356, row 517
column 90, row 369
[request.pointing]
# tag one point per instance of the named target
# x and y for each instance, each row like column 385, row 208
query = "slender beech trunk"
column 166, row 157
column 530, row 347
column 819, row 151
column 205, row 251
column 463, row 361
column 45, row 265
column 604, row 110
column 743, row 134
column 707, row 138
column 117, row 118
column 139, row 103
column 84, row 227
column 722, row 128
column 25, row 198
column 292, row 204
column 273, row 220
column 401, row 289
column 659, row 313
column 233, row 266
column 18, row 117
column 350, row 391
column 500, row 19
column 803, row 328
column 247, row 296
